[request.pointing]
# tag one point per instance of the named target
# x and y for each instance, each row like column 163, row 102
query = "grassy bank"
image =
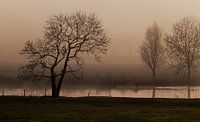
column 96, row 109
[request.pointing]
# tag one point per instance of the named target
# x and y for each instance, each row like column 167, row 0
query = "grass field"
column 97, row 109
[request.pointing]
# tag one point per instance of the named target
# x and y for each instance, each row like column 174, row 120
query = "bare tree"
column 66, row 39
column 152, row 51
column 183, row 46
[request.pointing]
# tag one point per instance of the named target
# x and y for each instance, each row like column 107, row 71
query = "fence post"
column 3, row 93
column 88, row 93
column 24, row 92
column 45, row 92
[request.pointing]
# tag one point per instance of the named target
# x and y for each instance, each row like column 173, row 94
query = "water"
column 161, row 92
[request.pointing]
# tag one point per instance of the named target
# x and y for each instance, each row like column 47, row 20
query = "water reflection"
column 144, row 92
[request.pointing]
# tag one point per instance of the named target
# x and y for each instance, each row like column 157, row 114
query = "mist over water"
column 100, row 77
column 142, row 92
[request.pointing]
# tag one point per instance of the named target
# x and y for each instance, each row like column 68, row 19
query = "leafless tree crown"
column 183, row 45
column 59, row 51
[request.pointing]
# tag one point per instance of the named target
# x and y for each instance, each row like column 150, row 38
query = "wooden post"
column 45, row 92
column 3, row 93
column 24, row 92
column 89, row 94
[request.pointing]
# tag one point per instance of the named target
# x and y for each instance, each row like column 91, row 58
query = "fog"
column 125, row 22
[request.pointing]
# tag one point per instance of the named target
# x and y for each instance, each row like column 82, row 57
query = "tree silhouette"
column 66, row 39
column 183, row 46
column 152, row 51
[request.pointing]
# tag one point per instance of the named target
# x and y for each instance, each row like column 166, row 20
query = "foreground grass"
column 97, row 109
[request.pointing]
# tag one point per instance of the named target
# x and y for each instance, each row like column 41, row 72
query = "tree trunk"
column 59, row 87
column 189, row 73
column 154, row 74
column 188, row 90
column 154, row 82
column 54, row 90
column 154, row 92
column 188, row 80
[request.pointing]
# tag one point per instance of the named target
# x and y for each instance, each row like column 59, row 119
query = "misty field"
column 103, row 109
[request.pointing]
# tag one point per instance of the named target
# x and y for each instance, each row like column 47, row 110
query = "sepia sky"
column 125, row 21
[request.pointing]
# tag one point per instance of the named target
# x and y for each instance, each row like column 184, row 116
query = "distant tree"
column 151, row 51
column 60, row 51
column 183, row 46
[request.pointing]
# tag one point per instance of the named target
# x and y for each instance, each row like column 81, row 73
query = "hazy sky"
column 125, row 22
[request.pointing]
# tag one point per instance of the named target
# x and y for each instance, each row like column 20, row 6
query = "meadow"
column 97, row 109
